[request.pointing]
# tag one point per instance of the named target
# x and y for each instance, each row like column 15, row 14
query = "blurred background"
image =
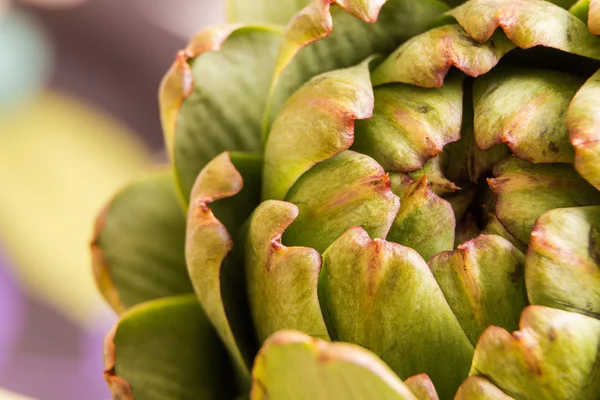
column 78, row 119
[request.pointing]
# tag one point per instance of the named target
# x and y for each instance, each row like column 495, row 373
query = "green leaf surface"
column 525, row 108
column 231, row 182
column 425, row 221
column 282, row 281
column 552, row 27
column 343, row 40
column 563, row 261
column 348, row 190
column 167, row 349
column 525, row 191
column 263, row 11
column 554, row 356
column 315, row 124
column 583, row 123
column 138, row 246
column 294, row 366
column 382, row 296
column 224, row 110
column 479, row 388
column 411, row 125
column 483, row 282
column 425, row 60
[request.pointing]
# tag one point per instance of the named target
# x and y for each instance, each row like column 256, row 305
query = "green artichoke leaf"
column 583, row 123
column 563, row 261
column 483, row 282
column 263, row 11
column 282, row 281
column 495, row 227
column 338, row 39
column 554, row 355
column 422, row 387
column 433, row 170
column 295, row 366
column 525, row 108
column 138, row 246
column 525, row 191
column 426, row 59
column 230, row 184
column 553, row 26
column 479, row 388
column 410, row 124
column 382, row 296
column 348, row 190
column 167, row 349
column 212, row 100
column 425, row 221
column 315, row 124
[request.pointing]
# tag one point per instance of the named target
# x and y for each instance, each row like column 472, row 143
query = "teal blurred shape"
column 25, row 57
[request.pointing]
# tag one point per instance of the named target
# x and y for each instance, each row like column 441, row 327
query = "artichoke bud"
column 413, row 205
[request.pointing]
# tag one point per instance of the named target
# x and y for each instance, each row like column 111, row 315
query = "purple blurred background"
column 109, row 56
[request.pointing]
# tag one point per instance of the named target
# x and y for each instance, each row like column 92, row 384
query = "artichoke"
column 364, row 205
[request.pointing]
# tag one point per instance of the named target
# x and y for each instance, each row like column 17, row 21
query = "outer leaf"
column 426, row 59
column 166, row 349
column 315, row 124
column 178, row 83
column 138, row 245
column 282, row 281
column 425, row 221
column 382, row 296
column 294, row 366
column 553, row 26
column 555, row 355
column 479, row 388
column 350, row 42
column 484, row 283
column 273, row 11
column 563, row 261
column 219, row 282
column 347, row 190
column 583, row 123
column 223, row 104
column 525, row 191
column 411, row 125
column 525, row 109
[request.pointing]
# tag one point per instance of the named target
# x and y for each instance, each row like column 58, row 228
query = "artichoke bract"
column 381, row 200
